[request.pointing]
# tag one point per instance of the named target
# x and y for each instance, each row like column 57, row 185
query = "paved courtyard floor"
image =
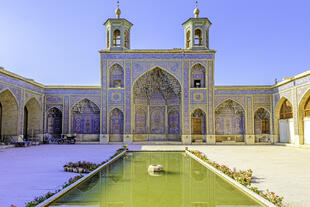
column 32, row 171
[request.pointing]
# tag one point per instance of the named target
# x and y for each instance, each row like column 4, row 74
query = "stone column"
column 249, row 137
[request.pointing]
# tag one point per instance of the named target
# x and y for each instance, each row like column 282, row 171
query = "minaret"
column 196, row 32
column 118, row 32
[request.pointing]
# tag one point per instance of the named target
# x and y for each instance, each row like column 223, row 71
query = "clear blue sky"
column 57, row 41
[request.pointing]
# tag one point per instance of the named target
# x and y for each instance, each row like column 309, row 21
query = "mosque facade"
column 157, row 96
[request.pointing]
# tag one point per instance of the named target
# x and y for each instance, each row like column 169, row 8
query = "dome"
column 196, row 12
column 118, row 12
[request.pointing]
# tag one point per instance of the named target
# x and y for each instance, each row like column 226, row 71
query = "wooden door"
column 197, row 125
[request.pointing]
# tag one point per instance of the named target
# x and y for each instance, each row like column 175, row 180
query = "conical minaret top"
column 118, row 11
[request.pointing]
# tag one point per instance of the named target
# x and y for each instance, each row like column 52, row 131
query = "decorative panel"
column 157, row 119
column 140, row 119
column 198, row 97
column 116, row 97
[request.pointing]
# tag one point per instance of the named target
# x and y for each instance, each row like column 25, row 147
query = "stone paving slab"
column 32, row 171
column 27, row 172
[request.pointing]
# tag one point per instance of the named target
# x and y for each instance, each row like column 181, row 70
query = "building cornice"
column 32, row 82
column 291, row 79
column 244, row 87
column 164, row 51
column 72, row 87
column 13, row 75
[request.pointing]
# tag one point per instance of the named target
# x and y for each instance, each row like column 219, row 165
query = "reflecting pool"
column 127, row 183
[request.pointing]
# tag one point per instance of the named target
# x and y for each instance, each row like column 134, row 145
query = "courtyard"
column 33, row 171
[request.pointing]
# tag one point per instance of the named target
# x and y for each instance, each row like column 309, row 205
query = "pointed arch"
column 262, row 121
column 198, row 117
column 229, row 118
column 85, row 117
column 284, row 124
column 230, row 99
column 116, row 73
column 54, row 121
column 198, row 76
column 116, row 38
column 304, row 118
column 11, row 93
column 155, row 93
column 32, row 119
column 153, row 68
column 9, row 113
column 116, row 127
column 198, row 37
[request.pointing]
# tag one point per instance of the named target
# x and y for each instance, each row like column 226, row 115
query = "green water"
column 126, row 183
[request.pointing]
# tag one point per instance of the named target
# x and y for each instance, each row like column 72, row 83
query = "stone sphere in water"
column 153, row 170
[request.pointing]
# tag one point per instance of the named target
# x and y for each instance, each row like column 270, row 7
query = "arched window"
column 198, row 79
column 116, row 121
column 188, row 39
column 108, row 38
column 116, row 38
column 54, row 121
column 116, row 76
column 262, row 121
column 198, row 37
column 286, row 111
column 85, row 118
column 126, row 39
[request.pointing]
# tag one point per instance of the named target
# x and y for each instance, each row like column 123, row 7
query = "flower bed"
column 40, row 199
column 81, row 167
column 243, row 177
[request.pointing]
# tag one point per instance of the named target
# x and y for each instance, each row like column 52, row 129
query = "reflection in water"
column 126, row 183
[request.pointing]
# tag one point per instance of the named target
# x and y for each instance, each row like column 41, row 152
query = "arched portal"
column 262, row 121
column 8, row 114
column 286, row 122
column 116, row 125
column 157, row 106
column 54, row 121
column 304, row 119
column 32, row 119
column 198, row 125
column 230, row 122
column 85, row 118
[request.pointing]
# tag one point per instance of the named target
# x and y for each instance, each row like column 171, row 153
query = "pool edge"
column 242, row 188
column 48, row 201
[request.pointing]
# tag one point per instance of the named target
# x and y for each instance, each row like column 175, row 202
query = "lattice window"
column 286, row 111
column 262, row 121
